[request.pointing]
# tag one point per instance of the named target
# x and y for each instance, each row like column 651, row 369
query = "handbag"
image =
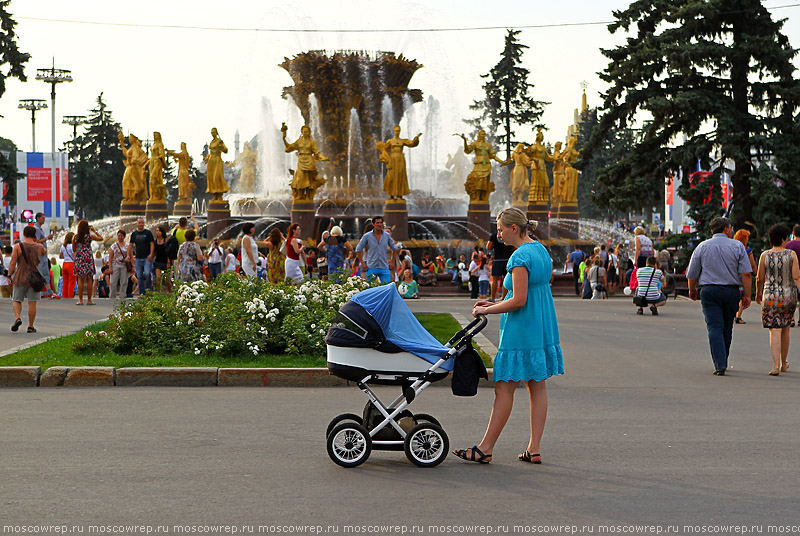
column 283, row 248
column 35, row 279
column 641, row 301
column 128, row 264
column 597, row 284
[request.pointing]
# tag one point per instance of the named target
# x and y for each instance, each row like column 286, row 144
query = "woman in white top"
column 644, row 247
column 249, row 250
column 230, row 260
column 68, row 268
column 119, row 268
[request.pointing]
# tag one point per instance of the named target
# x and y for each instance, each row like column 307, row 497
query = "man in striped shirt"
column 650, row 281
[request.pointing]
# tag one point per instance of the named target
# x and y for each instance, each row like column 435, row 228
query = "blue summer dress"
column 529, row 346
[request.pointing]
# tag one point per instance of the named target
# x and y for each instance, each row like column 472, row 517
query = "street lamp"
column 34, row 105
column 74, row 120
column 53, row 76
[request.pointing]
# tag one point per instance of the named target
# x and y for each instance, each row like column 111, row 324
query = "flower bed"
column 231, row 316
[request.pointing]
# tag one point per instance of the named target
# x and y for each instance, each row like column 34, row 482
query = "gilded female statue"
column 479, row 184
column 215, row 168
column 396, row 182
column 185, row 183
column 520, row 184
column 540, row 184
column 133, row 185
column 247, row 159
column 570, row 154
column 559, row 177
column 157, row 162
column 306, row 179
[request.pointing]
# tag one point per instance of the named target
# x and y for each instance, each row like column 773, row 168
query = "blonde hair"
column 639, row 230
column 514, row 216
column 336, row 231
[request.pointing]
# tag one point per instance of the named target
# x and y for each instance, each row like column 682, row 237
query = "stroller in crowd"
column 375, row 339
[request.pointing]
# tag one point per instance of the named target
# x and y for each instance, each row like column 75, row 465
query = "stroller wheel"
column 341, row 418
column 426, row 445
column 349, row 444
column 424, row 417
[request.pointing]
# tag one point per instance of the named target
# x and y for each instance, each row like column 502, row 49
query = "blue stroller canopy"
column 399, row 324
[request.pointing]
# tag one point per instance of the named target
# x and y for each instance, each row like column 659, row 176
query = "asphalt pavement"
column 639, row 434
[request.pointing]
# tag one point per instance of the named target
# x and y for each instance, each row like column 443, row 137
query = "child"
column 483, row 274
column 408, row 288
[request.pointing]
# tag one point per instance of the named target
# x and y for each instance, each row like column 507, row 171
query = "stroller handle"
column 471, row 329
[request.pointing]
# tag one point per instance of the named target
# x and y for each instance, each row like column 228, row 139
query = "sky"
column 183, row 82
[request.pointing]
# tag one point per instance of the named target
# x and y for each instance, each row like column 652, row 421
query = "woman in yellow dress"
column 216, row 167
column 306, row 180
column 396, row 183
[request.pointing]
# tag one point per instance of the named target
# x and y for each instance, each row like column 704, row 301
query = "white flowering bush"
column 231, row 316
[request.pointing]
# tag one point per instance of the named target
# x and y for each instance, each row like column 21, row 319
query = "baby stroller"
column 375, row 339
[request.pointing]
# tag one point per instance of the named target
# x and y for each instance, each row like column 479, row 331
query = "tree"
column 507, row 101
column 98, row 167
column 8, row 170
column 9, row 53
column 596, row 198
column 716, row 78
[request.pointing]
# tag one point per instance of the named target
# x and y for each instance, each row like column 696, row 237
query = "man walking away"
column 794, row 245
column 502, row 252
column 576, row 258
column 376, row 243
column 215, row 256
column 717, row 268
column 24, row 262
column 44, row 262
column 142, row 255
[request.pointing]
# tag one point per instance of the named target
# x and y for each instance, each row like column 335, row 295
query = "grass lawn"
column 58, row 352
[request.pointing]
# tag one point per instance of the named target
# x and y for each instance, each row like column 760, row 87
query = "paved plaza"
column 639, row 432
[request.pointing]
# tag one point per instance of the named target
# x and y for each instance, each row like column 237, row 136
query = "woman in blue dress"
column 529, row 348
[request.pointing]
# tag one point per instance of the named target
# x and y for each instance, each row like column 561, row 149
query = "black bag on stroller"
column 468, row 369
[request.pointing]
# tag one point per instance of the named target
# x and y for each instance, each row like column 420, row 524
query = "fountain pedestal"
column 540, row 212
column 479, row 214
column 568, row 220
column 218, row 217
column 304, row 213
column 128, row 212
column 395, row 217
column 182, row 209
column 156, row 211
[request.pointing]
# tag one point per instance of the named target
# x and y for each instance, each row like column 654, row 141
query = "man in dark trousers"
column 501, row 253
column 142, row 255
column 576, row 258
column 717, row 268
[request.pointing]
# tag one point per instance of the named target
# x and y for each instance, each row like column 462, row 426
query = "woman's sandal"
column 482, row 458
column 530, row 458
column 739, row 320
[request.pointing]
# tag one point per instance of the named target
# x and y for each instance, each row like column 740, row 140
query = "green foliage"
column 8, row 169
column 717, row 80
column 97, row 165
column 507, row 102
column 599, row 197
column 9, row 52
column 230, row 317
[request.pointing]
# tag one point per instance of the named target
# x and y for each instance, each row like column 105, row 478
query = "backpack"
column 171, row 248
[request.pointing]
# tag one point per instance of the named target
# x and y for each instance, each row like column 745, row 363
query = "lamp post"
column 53, row 76
column 34, row 105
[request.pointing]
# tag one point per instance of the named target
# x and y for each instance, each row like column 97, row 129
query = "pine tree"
column 507, row 101
column 8, row 170
column 717, row 80
column 9, row 52
column 97, row 167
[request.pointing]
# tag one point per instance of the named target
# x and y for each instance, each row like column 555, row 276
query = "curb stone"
column 19, row 376
column 168, row 376
column 89, row 377
column 53, row 377
column 278, row 377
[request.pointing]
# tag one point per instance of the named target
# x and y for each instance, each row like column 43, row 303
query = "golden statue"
column 156, row 164
column 247, row 159
column 479, row 184
column 133, row 184
column 540, row 184
column 520, row 183
column 215, row 168
column 570, row 190
column 559, row 177
column 306, row 180
column 396, row 182
column 185, row 183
